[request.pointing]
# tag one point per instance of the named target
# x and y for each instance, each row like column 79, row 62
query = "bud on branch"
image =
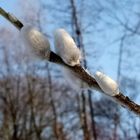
column 35, row 41
column 109, row 86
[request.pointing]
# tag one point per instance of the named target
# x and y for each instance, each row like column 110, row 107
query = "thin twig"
column 78, row 70
column 11, row 18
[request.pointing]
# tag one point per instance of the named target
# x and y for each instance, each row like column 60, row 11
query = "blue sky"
column 8, row 5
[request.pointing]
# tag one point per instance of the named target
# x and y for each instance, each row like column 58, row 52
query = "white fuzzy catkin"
column 36, row 42
column 109, row 86
column 66, row 48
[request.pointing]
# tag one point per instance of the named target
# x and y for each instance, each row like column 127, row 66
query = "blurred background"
column 35, row 101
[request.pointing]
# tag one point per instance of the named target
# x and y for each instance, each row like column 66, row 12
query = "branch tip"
column 11, row 18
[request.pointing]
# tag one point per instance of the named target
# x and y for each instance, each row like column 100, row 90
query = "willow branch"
column 78, row 70
column 11, row 18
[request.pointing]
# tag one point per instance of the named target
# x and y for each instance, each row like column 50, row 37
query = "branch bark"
column 11, row 18
column 78, row 70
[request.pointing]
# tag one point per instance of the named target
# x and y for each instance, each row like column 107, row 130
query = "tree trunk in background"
column 57, row 126
column 93, row 125
column 116, row 115
column 55, row 129
column 79, row 40
column 58, row 131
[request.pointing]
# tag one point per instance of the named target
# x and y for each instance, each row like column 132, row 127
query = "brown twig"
column 11, row 18
column 79, row 71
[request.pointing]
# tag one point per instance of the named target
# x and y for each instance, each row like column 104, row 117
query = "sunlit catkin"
column 109, row 86
column 66, row 48
column 35, row 41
